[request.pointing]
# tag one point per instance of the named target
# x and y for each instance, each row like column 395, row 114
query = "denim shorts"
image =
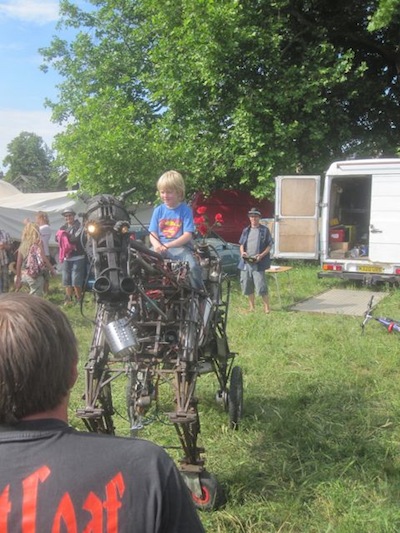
column 73, row 272
column 253, row 281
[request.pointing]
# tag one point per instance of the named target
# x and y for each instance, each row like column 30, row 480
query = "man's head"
column 254, row 215
column 38, row 356
column 69, row 215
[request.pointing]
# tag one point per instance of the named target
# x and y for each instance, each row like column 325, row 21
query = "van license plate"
column 372, row 269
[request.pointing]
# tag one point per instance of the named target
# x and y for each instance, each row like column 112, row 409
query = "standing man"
column 54, row 478
column 74, row 259
column 5, row 246
column 255, row 246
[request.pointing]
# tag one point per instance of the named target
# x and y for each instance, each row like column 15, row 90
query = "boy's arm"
column 156, row 244
column 180, row 241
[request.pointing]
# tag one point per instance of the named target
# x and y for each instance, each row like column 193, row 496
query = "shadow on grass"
column 317, row 436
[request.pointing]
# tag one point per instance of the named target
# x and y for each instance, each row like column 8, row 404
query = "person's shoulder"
column 122, row 448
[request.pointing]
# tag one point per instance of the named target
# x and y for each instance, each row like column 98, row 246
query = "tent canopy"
column 16, row 206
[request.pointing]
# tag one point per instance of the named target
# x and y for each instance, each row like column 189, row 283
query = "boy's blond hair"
column 172, row 180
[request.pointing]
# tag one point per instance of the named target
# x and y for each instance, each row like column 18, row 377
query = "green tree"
column 231, row 93
column 388, row 12
column 30, row 162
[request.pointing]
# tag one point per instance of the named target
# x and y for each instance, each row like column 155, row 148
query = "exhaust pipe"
column 102, row 285
column 127, row 285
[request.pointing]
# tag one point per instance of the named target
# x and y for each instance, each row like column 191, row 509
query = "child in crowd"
column 172, row 226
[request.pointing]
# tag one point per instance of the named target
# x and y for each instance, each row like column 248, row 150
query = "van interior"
column 349, row 217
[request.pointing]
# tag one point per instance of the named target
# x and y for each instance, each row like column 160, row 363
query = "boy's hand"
column 160, row 248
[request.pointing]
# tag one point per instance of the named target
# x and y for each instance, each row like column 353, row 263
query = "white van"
column 353, row 228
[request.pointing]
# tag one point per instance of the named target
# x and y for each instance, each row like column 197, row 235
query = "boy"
column 172, row 226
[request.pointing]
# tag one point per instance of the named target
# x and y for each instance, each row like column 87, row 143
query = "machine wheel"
column 235, row 400
column 212, row 494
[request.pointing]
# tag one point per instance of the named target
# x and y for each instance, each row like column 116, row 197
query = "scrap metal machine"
column 156, row 331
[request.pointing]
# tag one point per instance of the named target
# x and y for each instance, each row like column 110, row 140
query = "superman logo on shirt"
column 170, row 228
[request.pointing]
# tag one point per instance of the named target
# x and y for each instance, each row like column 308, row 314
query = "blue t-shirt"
column 169, row 224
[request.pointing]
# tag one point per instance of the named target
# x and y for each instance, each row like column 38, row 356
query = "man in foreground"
column 54, row 478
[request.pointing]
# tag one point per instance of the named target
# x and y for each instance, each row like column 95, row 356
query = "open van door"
column 297, row 217
column 384, row 242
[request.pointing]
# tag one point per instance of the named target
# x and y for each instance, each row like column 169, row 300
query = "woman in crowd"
column 42, row 220
column 32, row 261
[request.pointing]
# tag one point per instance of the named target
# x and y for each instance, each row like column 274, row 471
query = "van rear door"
column 296, row 217
column 384, row 236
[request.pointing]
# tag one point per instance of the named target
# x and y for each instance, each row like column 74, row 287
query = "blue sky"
column 25, row 26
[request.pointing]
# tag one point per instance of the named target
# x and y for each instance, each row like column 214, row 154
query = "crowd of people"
column 171, row 233
column 31, row 263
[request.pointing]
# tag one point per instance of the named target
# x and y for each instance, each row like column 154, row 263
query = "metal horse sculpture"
column 153, row 328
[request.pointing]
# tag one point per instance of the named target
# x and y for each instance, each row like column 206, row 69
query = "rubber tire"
column 235, row 399
column 213, row 495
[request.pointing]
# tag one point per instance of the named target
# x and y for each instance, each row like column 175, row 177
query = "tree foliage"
column 29, row 159
column 230, row 92
column 388, row 12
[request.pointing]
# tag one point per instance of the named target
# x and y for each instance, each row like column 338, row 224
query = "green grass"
column 318, row 449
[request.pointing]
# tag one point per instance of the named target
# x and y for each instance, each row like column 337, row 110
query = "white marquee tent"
column 16, row 206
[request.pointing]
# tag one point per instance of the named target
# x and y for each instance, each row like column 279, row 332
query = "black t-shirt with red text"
column 54, row 479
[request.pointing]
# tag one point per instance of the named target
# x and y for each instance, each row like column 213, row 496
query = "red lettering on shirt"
column 114, row 491
column 65, row 513
column 29, row 498
column 5, row 507
column 104, row 515
column 94, row 506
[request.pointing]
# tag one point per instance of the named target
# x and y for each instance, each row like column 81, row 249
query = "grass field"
column 318, row 448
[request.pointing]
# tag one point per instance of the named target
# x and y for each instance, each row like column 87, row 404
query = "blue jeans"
column 73, row 273
column 181, row 253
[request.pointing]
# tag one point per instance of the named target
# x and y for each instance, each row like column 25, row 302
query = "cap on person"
column 68, row 212
column 254, row 212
